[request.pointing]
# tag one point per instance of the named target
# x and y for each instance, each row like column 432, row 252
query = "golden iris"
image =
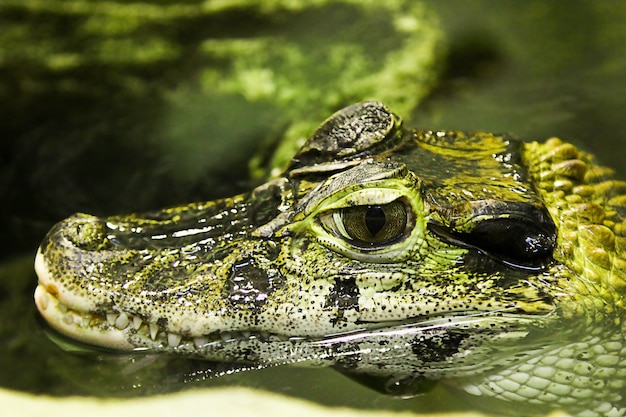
column 374, row 224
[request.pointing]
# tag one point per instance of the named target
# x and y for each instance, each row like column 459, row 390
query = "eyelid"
column 364, row 197
column 338, row 222
column 309, row 221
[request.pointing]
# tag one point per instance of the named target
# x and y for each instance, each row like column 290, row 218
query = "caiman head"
column 397, row 256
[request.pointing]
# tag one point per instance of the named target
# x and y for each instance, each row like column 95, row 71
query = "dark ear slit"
column 509, row 241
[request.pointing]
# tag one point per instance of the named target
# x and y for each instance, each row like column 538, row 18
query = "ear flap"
column 519, row 234
column 348, row 133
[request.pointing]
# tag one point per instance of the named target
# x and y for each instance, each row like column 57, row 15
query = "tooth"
column 144, row 330
column 154, row 329
column 44, row 299
column 62, row 308
column 68, row 319
column 173, row 339
column 137, row 322
column 122, row 321
column 225, row 336
column 86, row 320
column 111, row 317
column 200, row 341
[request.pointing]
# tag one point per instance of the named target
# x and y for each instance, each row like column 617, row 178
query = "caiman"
column 397, row 256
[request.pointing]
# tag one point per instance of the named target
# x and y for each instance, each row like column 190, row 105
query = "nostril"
column 85, row 231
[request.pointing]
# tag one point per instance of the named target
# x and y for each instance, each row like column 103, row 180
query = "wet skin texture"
column 397, row 256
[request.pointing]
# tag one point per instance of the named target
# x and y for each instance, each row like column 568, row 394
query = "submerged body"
column 397, row 256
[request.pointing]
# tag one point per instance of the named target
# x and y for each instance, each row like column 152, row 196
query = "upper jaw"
column 98, row 275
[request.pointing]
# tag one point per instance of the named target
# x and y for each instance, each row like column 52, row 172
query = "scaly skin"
column 397, row 256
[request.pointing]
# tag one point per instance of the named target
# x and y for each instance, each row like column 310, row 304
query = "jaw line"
column 68, row 323
column 67, row 320
column 73, row 317
column 122, row 330
column 108, row 332
column 112, row 331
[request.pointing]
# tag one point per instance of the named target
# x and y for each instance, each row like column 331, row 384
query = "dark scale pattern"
column 350, row 132
column 248, row 285
column 349, row 354
column 264, row 206
column 344, row 295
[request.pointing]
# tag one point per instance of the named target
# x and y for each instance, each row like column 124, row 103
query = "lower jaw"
column 115, row 330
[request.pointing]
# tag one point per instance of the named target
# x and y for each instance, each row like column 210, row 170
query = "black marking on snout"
column 344, row 295
column 249, row 285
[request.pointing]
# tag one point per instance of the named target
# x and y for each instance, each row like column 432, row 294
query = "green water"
column 105, row 114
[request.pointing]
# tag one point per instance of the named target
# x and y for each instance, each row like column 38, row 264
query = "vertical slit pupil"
column 375, row 219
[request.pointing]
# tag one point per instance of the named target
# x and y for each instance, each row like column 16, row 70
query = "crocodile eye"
column 372, row 225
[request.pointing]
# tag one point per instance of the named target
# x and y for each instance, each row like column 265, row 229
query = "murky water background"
column 532, row 68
